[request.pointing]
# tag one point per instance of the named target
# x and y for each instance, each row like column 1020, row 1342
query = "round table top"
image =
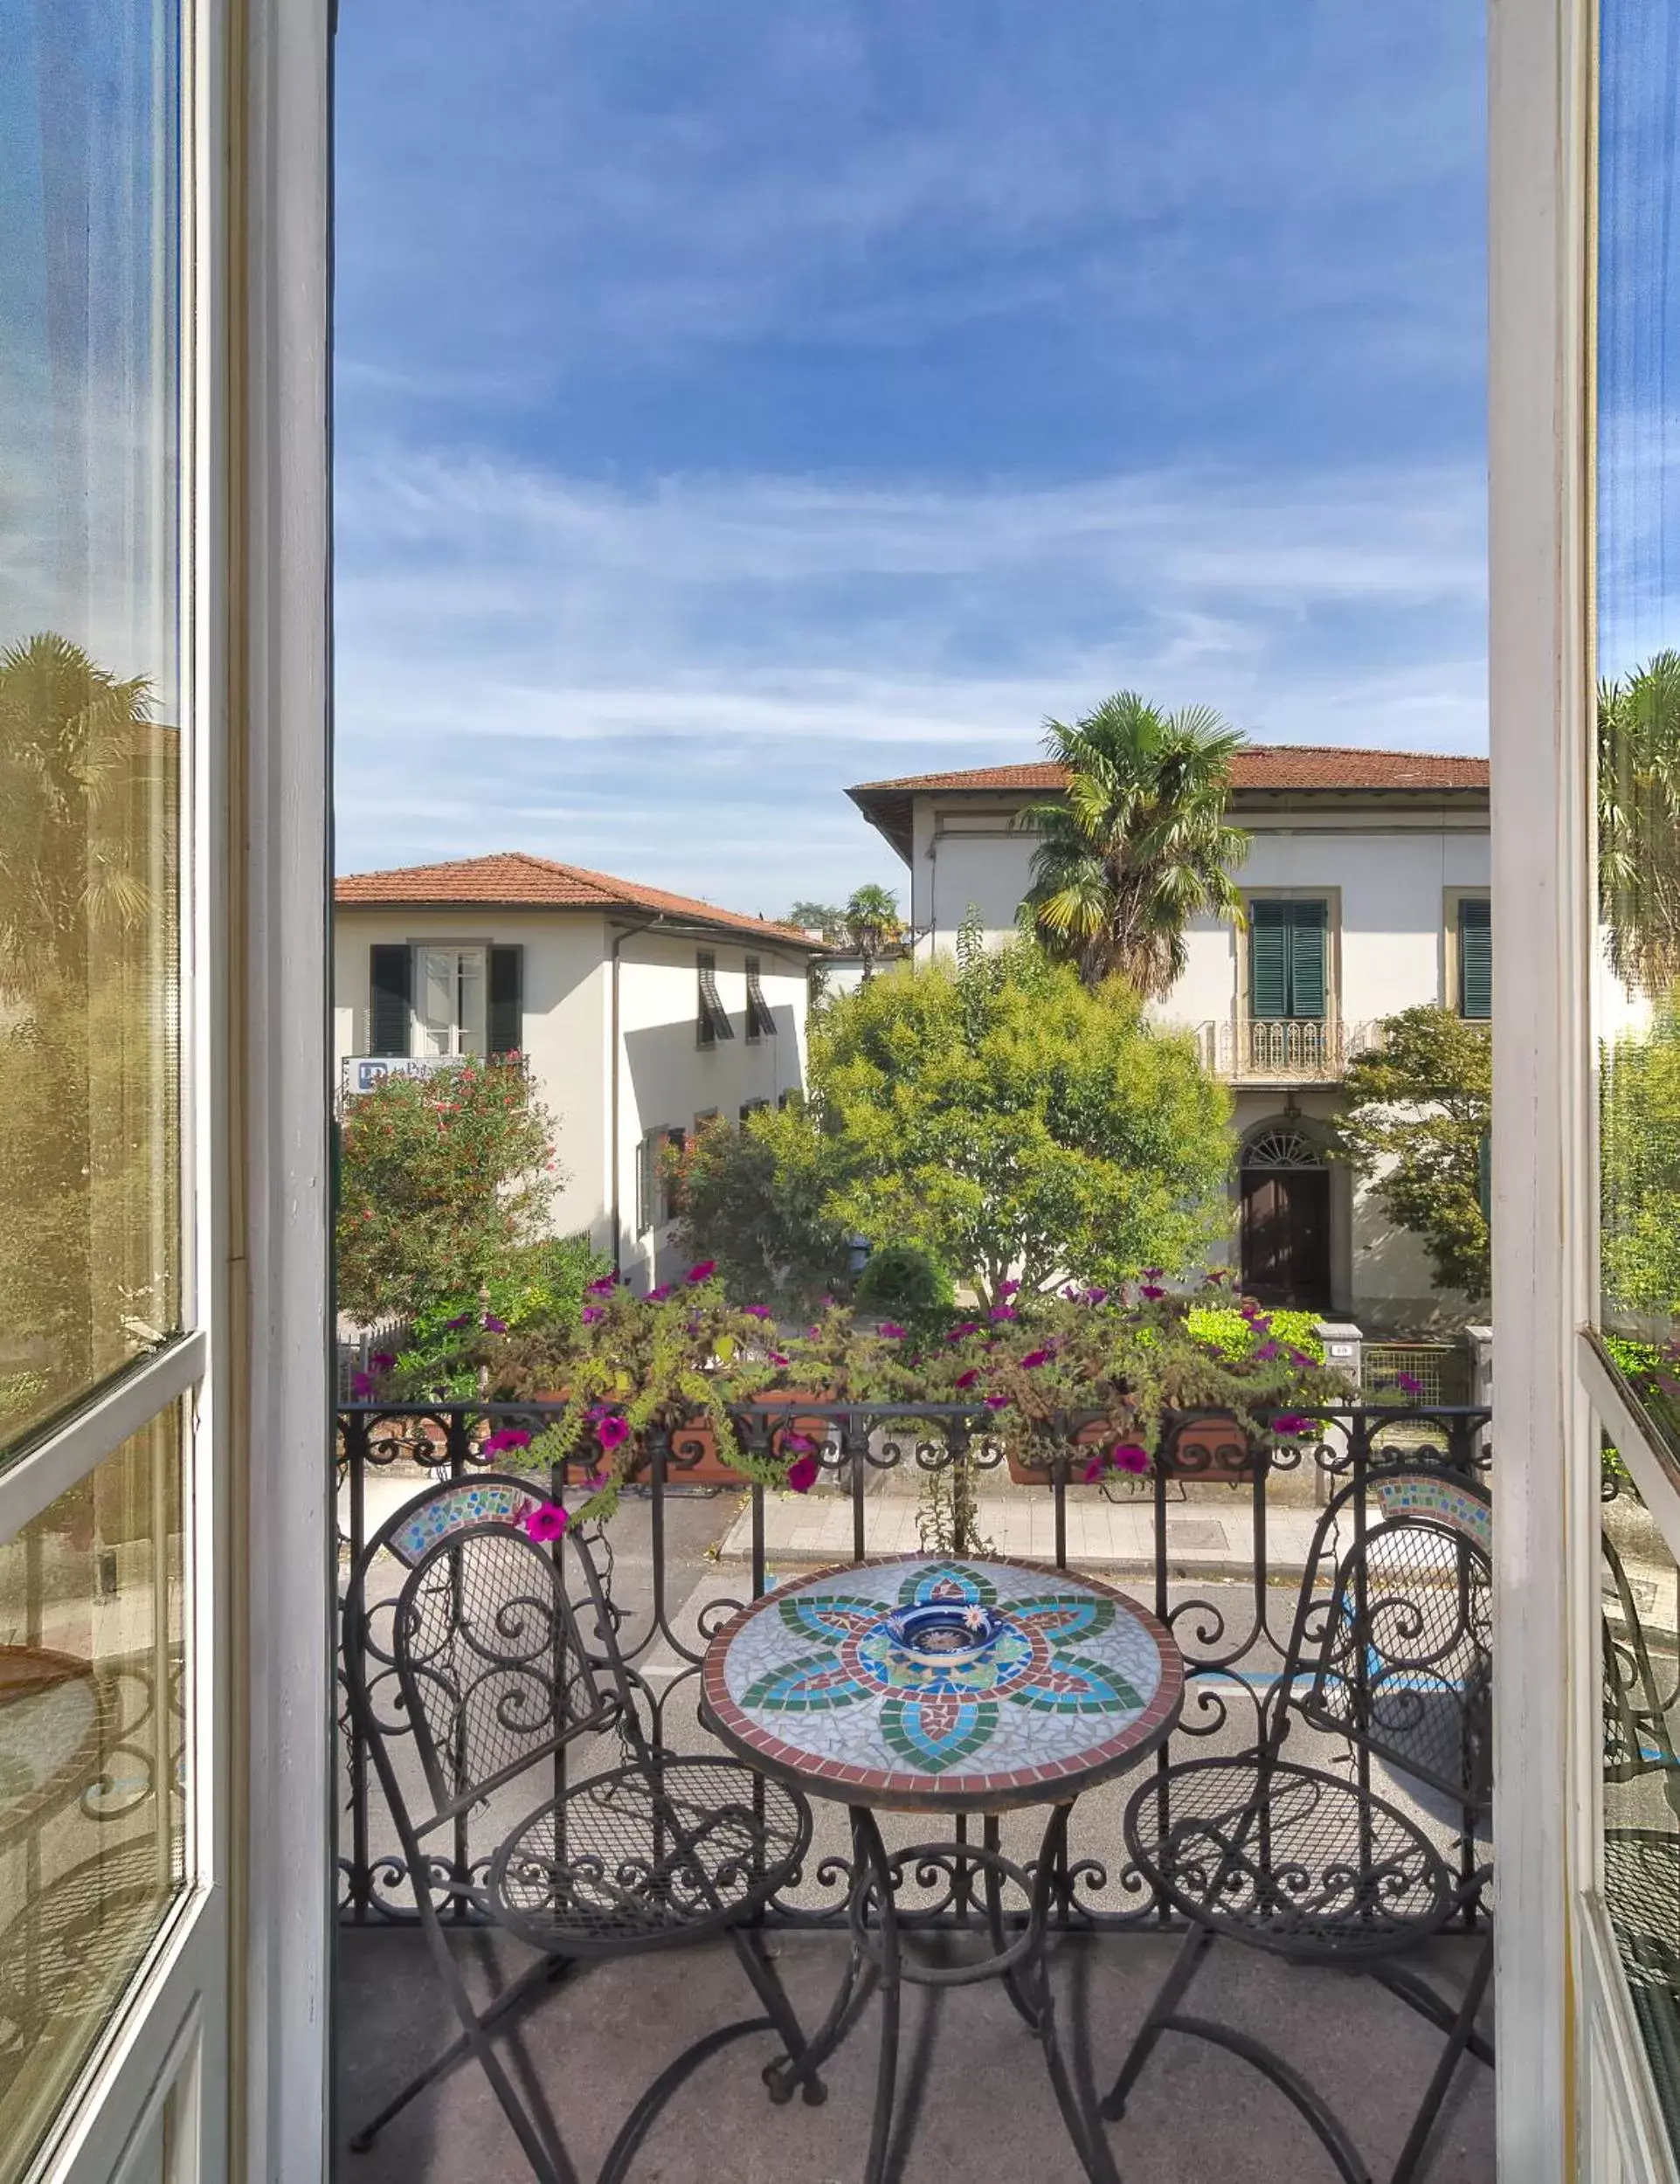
column 811, row 1683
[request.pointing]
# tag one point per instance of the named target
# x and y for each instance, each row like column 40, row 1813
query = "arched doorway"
column 1283, row 1218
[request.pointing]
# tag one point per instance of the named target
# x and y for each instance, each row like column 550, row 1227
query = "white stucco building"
column 642, row 1013
column 1366, row 888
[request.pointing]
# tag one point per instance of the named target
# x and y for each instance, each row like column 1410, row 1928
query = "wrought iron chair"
column 1389, row 1657
column 491, row 1671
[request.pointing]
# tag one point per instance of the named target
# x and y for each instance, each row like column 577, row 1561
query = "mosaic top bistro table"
column 964, row 1686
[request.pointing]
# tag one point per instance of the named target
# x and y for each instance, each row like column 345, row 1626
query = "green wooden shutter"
column 1269, row 957
column 390, row 983
column 1308, row 923
column 506, row 1000
column 1475, row 957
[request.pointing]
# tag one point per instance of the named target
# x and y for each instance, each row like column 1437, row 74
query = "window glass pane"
column 451, row 1000
column 92, row 1766
column 89, row 696
column 1641, row 1773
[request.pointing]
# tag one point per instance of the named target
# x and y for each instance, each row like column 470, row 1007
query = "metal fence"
column 1429, row 1373
column 1230, row 1618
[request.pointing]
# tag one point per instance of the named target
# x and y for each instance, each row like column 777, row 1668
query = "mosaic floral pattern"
column 820, row 1668
column 474, row 1502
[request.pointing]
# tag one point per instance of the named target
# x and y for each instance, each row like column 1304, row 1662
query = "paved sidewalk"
column 1204, row 1539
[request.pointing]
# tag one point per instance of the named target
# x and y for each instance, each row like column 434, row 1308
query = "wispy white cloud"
column 704, row 664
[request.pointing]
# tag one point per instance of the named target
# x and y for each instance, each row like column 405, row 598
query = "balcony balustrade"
column 1283, row 1050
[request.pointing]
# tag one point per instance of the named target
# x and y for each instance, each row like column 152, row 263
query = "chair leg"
column 768, row 1987
column 1197, row 1943
column 1457, row 2041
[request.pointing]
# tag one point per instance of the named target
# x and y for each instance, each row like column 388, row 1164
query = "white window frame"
column 458, row 1032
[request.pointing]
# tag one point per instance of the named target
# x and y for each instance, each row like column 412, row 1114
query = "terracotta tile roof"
column 1259, row 766
column 513, row 878
column 886, row 805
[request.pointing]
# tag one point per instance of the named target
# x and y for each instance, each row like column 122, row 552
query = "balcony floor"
column 981, row 2108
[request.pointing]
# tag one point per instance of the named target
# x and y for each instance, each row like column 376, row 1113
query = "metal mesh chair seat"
column 1288, row 1858
column 646, row 1853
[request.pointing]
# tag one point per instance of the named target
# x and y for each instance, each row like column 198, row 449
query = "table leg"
column 783, row 2078
column 872, row 1858
column 1084, row 2124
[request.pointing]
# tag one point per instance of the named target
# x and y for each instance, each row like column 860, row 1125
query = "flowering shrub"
column 683, row 1356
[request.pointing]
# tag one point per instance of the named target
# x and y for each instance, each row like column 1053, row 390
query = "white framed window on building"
column 711, row 1018
column 761, row 1022
column 656, row 1159
column 442, row 998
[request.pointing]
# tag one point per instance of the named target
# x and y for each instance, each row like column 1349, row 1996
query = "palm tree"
column 873, row 922
column 1639, row 822
column 1140, row 842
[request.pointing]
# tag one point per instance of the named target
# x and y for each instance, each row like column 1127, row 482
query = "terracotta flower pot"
column 1097, row 1433
column 1217, row 1447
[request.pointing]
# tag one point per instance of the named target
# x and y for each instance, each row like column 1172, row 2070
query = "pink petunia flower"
column 1035, row 1357
column 494, row 1326
column 891, row 1330
column 995, row 1402
column 1290, row 1424
column 1126, row 1456
column 1095, row 1468
column 1151, row 1289
column 758, row 1311
column 1005, row 1312
column 967, row 1379
column 658, row 1295
column 1096, row 1296
column 961, row 1332
column 803, row 1442
column 547, row 1521
column 777, row 1359
column 605, row 1287
column 362, row 1386
column 1153, row 1274
column 802, row 1474
column 382, row 1361
column 613, row 1431
column 507, row 1437
column 703, row 1272
column 591, row 1313
column 1266, row 1351
column 461, row 1319
column 1409, row 1383
column 1007, row 1288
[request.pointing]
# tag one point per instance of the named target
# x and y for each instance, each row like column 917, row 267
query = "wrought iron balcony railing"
column 1285, row 1049
column 1230, row 1616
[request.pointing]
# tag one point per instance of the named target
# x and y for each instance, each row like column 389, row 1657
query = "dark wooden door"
column 1285, row 1236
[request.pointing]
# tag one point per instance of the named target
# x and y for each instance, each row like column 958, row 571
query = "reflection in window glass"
column 92, row 1766
column 88, row 696
column 1638, row 965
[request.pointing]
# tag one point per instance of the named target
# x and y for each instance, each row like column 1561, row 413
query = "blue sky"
column 736, row 402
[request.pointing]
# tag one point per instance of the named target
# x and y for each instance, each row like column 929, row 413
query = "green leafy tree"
column 1639, row 822
column 827, row 918
column 443, row 1180
column 754, row 1200
column 871, row 922
column 1139, row 844
column 1419, row 1107
column 1010, row 1120
column 1640, row 1163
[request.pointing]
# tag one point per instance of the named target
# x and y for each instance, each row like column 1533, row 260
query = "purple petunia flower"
column 613, row 1431
column 605, row 1287
column 1301, row 1358
column 961, row 1332
column 1096, row 1296
column 547, row 1521
column 1035, row 1357
column 1151, row 1289
column 362, row 1386
column 803, row 1474
column 1153, row 1274
column 1291, row 1424
column 1007, row 1288
column 658, row 1295
column 1071, row 1292
column 1266, row 1352
column 1126, row 1456
column 891, row 1330
column 382, row 1361
column 777, row 1359
column 701, row 1272
column 1409, row 1383
column 995, row 1402
column 967, row 1379
column 801, row 1442
column 461, row 1319
column 507, row 1437
column 591, row 1313
column 494, row 1326
column 1095, row 1468
column 758, row 1311
column 1005, row 1312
